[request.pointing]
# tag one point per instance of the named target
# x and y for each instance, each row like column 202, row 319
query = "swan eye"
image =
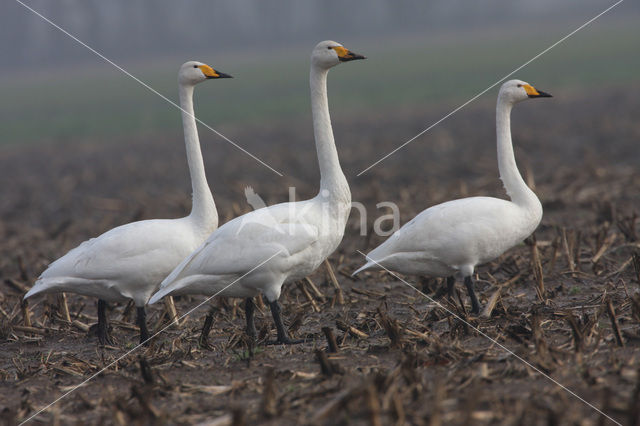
column 329, row 47
column 519, row 85
column 195, row 66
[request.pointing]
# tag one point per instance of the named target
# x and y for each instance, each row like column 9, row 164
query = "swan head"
column 194, row 72
column 517, row 91
column 328, row 54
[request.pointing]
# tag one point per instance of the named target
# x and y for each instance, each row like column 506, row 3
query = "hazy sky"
column 126, row 29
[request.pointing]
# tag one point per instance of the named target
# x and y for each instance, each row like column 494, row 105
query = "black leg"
column 141, row 319
column 206, row 329
column 475, row 306
column 451, row 281
column 283, row 337
column 249, row 309
column 103, row 324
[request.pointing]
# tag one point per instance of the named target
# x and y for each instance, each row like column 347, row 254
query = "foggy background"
column 124, row 29
column 424, row 56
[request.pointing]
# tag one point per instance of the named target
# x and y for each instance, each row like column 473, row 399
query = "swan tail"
column 363, row 267
column 36, row 289
column 172, row 282
column 43, row 285
column 176, row 274
column 164, row 291
column 171, row 288
column 193, row 284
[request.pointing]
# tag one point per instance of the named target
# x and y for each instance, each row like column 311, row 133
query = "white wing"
column 241, row 245
column 468, row 231
column 129, row 259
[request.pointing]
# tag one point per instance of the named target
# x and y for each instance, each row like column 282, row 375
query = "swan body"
column 290, row 238
column 260, row 251
column 127, row 262
column 454, row 237
column 130, row 261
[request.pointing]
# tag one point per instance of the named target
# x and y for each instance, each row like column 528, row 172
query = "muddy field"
column 567, row 303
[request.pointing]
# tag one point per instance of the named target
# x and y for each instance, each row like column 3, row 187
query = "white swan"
column 455, row 236
column 130, row 261
column 260, row 251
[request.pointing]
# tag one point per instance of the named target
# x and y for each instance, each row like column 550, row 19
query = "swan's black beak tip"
column 351, row 57
column 541, row 94
column 219, row 75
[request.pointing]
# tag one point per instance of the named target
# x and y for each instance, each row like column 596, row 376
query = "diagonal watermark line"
column 494, row 341
column 146, row 86
column 490, row 87
column 141, row 344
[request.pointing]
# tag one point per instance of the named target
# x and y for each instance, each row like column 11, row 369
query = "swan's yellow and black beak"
column 211, row 73
column 345, row 55
column 532, row 92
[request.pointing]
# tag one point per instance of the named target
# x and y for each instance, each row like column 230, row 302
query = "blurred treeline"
column 129, row 28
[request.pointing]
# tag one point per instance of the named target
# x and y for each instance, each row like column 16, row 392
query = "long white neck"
column 516, row 188
column 203, row 209
column 332, row 178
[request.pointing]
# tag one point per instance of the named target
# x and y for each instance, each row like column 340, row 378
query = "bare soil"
column 566, row 304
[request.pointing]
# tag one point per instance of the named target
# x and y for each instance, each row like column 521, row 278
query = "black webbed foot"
column 475, row 305
column 141, row 320
column 283, row 336
column 102, row 327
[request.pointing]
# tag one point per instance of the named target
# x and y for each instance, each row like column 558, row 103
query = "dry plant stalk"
column 331, row 339
column 542, row 348
column 491, row 304
column 636, row 265
column 325, row 366
column 374, row 405
column 28, row 329
column 260, row 303
column 336, row 284
column 614, row 322
column 635, row 304
column 398, row 409
column 439, row 395
column 554, row 256
column 203, row 340
column 63, row 307
column 622, row 267
column 536, row 265
column 577, row 333
column 315, row 289
column 17, row 285
column 237, row 416
column 143, row 399
column 628, row 227
column 269, row 405
column 80, row 325
column 343, row 326
column 393, row 329
column 308, row 295
column 577, row 240
column 634, row 404
column 170, row 306
column 608, row 241
column 332, row 407
column 145, row 370
column 26, row 315
column 567, row 244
